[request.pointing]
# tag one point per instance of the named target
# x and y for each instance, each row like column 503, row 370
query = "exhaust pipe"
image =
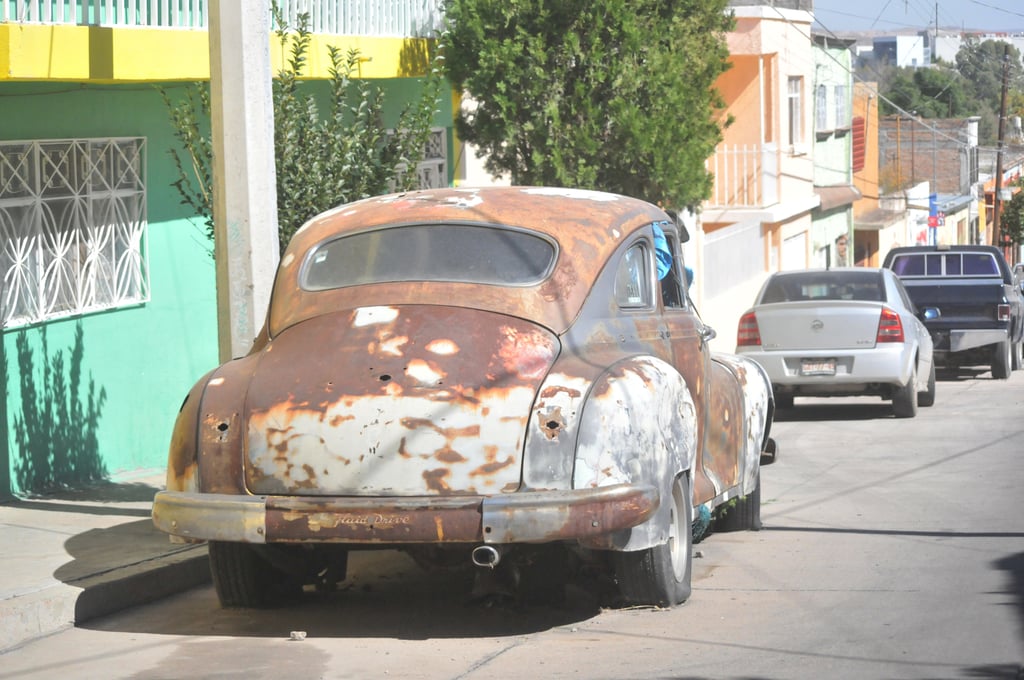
column 486, row 556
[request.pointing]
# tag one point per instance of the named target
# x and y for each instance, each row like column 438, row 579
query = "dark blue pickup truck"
column 980, row 319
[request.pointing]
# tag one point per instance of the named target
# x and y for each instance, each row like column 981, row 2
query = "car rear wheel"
column 1001, row 360
column 744, row 514
column 660, row 576
column 783, row 401
column 242, row 576
column 904, row 400
column 927, row 398
column 1017, row 358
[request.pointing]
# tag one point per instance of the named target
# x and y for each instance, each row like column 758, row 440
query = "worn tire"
column 904, row 399
column 744, row 514
column 927, row 398
column 1017, row 356
column 1001, row 360
column 241, row 577
column 660, row 576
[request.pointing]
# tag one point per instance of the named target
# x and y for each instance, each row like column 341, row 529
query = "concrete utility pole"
column 246, row 246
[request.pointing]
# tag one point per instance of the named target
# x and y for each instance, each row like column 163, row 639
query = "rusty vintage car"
column 471, row 375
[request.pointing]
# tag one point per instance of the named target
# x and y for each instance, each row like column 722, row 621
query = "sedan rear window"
column 824, row 285
column 463, row 253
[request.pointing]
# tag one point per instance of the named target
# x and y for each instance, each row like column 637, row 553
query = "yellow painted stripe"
column 30, row 52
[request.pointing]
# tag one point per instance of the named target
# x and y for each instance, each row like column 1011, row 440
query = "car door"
column 691, row 355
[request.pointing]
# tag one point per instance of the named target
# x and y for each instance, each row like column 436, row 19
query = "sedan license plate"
column 818, row 367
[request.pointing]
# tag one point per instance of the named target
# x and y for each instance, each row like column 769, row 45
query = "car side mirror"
column 930, row 313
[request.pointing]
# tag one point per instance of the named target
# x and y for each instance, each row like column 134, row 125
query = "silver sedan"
column 838, row 333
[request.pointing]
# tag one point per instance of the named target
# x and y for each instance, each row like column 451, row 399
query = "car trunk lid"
column 818, row 325
column 403, row 400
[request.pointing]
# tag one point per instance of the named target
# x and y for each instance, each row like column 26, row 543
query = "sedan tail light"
column 748, row 334
column 1003, row 313
column 890, row 328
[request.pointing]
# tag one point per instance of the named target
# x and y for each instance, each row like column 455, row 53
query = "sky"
column 894, row 15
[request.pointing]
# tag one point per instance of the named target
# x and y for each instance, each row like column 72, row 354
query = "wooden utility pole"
column 999, row 148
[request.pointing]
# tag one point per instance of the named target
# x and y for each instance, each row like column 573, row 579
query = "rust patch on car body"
column 332, row 411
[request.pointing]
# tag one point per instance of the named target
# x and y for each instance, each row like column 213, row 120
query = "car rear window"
column 430, row 252
column 945, row 264
column 824, row 285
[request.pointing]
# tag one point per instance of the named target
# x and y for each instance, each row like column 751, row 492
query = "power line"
column 997, row 8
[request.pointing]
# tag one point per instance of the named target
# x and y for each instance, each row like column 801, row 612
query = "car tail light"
column 1003, row 313
column 748, row 334
column 890, row 328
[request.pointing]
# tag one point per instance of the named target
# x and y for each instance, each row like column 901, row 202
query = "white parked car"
column 838, row 333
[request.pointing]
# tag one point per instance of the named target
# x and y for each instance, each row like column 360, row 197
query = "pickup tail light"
column 748, row 335
column 890, row 328
column 1003, row 313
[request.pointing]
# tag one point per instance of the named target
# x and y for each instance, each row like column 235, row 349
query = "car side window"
column 905, row 296
column 633, row 278
column 672, row 295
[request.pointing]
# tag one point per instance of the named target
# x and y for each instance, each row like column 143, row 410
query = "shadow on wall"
column 55, row 434
column 6, row 492
column 414, row 59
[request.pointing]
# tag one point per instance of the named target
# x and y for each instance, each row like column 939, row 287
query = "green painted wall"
column 136, row 364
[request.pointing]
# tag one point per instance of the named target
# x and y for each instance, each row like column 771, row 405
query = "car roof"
column 587, row 226
column 960, row 248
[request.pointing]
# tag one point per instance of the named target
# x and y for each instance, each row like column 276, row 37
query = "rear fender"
column 638, row 426
column 208, row 438
column 758, row 408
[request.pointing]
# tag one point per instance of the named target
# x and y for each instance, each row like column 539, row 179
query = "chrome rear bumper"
column 522, row 517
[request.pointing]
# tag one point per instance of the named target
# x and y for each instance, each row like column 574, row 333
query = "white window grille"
column 72, row 227
column 821, row 109
column 432, row 171
column 794, row 86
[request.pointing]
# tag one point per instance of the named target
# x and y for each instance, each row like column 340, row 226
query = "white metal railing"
column 387, row 18
column 746, row 175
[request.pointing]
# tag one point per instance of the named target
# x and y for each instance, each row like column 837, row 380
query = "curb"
column 31, row 615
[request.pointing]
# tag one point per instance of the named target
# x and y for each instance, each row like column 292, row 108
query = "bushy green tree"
column 326, row 152
column 1011, row 219
column 980, row 63
column 972, row 87
column 932, row 93
column 616, row 95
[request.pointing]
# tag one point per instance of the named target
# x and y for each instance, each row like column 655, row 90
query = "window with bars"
column 432, row 171
column 72, row 227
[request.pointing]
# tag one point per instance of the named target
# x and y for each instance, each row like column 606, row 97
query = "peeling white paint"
column 471, row 201
column 443, row 347
column 424, row 373
column 392, row 442
column 367, row 316
column 393, row 346
column 572, row 193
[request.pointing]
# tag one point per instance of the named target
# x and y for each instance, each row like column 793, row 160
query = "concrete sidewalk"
column 82, row 554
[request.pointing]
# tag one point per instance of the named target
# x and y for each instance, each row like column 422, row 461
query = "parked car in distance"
column 506, row 377
column 979, row 309
column 838, row 333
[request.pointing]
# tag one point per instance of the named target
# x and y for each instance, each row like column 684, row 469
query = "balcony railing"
column 393, row 18
column 746, row 176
